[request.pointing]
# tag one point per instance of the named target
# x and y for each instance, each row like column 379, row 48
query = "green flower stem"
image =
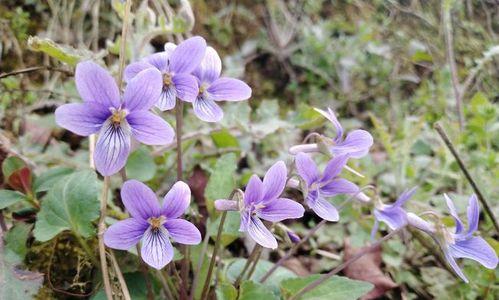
column 83, row 243
column 251, row 258
column 102, row 248
column 206, row 287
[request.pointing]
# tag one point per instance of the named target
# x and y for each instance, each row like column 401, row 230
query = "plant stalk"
column 102, row 248
column 250, row 259
column 467, row 174
column 206, row 287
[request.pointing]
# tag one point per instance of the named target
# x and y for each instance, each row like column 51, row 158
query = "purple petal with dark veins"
column 186, row 86
column 254, row 191
column 281, row 209
column 229, row 89
column 139, row 200
column 125, row 234
column 112, row 148
column 95, row 84
column 143, row 90
column 274, row 181
column 167, row 98
column 157, row 251
column 82, row 118
column 207, row 110
column 260, row 234
column 183, row 232
column 149, row 128
column 188, row 55
column 356, row 144
column 306, row 167
column 176, row 201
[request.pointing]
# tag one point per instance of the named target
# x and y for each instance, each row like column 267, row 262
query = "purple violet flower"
column 326, row 185
column 116, row 121
column 459, row 243
column 392, row 215
column 151, row 224
column 261, row 201
column 176, row 64
column 213, row 88
column 356, row 144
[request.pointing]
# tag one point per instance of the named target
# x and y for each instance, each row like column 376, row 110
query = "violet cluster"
column 191, row 72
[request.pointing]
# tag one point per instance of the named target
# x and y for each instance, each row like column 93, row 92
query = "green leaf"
column 231, row 228
column 8, row 198
column 10, row 165
column 226, row 291
column 47, row 179
column 336, row 287
column 223, row 139
column 72, row 204
column 235, row 267
column 64, row 54
column 221, row 181
column 252, row 291
column 140, row 165
column 17, row 284
column 15, row 243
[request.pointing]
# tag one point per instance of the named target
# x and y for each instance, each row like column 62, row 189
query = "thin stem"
column 255, row 262
column 124, row 34
column 102, row 248
column 184, row 269
column 121, row 279
column 199, row 266
column 33, row 69
column 164, row 284
column 467, row 174
column 342, row 266
column 291, row 251
column 207, row 282
column 178, row 133
column 250, row 259
column 449, row 45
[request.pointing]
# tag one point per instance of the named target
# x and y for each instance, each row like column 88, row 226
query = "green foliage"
column 62, row 53
column 47, row 179
column 11, row 164
column 221, row 182
column 140, row 165
column 8, row 198
column 250, row 290
column 15, row 243
column 336, row 287
column 235, row 267
column 72, row 204
column 226, row 291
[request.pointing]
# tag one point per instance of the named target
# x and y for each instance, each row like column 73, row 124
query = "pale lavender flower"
column 392, row 215
column 116, row 121
column 356, row 144
column 151, row 224
column 459, row 243
column 213, row 88
column 262, row 201
column 320, row 186
column 176, row 64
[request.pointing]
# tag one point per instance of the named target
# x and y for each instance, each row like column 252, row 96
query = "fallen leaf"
column 367, row 268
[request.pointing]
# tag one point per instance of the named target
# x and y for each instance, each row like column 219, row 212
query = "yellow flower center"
column 202, row 88
column 156, row 222
column 118, row 116
column 167, row 79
